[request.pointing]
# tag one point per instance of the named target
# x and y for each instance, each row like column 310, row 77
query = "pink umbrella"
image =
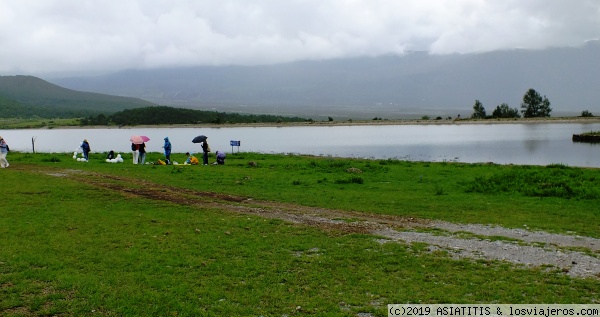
column 136, row 139
column 145, row 138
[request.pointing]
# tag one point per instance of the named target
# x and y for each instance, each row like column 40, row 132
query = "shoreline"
column 546, row 120
column 370, row 123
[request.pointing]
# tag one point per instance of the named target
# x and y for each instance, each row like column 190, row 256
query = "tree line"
column 533, row 106
column 170, row 115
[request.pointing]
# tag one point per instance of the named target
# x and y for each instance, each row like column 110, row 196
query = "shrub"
column 52, row 159
column 555, row 180
column 351, row 180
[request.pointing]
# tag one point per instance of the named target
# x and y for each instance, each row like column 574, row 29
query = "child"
column 191, row 159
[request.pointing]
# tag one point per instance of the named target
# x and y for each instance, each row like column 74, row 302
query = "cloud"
column 103, row 36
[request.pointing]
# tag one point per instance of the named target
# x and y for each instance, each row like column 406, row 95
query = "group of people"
column 192, row 160
column 139, row 154
column 138, row 150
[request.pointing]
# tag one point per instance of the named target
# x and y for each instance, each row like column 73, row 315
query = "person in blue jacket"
column 85, row 147
column 167, row 148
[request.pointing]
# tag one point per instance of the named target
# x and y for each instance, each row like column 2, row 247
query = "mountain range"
column 26, row 96
column 393, row 87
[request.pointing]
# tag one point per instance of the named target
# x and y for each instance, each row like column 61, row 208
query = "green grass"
column 553, row 198
column 75, row 249
column 36, row 123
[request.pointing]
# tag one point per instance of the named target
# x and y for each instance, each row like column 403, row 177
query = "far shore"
column 359, row 123
column 545, row 120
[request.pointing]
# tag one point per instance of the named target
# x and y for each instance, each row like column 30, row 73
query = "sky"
column 102, row 36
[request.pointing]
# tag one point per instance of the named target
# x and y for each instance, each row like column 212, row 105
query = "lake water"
column 532, row 144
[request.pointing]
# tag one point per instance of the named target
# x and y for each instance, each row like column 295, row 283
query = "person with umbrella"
column 205, row 150
column 205, row 147
column 142, row 151
column 138, row 148
column 167, row 147
column 136, row 140
column 135, row 150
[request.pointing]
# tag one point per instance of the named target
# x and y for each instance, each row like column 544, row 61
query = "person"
column 205, row 150
column 85, row 147
column 135, row 150
column 220, row 157
column 167, row 148
column 111, row 155
column 3, row 152
column 191, row 159
column 142, row 151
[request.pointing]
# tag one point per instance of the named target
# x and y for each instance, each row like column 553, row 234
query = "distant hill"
column 389, row 86
column 171, row 115
column 26, row 96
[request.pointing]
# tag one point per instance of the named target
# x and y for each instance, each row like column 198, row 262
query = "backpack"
column 7, row 148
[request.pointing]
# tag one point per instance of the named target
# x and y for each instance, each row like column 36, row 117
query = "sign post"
column 235, row 143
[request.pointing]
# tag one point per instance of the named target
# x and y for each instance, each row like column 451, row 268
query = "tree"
column 504, row 111
column 534, row 105
column 586, row 113
column 478, row 111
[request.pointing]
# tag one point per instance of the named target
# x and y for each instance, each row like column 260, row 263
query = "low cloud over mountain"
column 392, row 87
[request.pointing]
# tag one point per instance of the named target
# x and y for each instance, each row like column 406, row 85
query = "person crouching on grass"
column 220, row 158
column 192, row 160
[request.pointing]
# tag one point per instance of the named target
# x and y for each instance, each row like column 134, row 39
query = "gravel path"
column 573, row 263
column 575, row 256
column 522, row 234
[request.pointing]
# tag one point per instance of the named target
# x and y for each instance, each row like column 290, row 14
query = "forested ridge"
column 170, row 115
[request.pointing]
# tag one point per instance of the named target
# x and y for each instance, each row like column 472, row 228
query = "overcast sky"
column 87, row 36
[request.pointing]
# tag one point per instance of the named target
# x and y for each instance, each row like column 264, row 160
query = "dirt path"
column 574, row 255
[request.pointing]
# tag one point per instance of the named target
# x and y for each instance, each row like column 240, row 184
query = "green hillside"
column 28, row 96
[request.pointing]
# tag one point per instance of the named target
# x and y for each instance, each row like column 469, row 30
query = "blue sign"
column 234, row 143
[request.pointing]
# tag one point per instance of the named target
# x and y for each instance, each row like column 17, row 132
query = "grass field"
column 36, row 123
column 102, row 239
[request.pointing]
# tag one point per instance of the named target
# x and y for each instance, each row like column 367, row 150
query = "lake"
column 530, row 144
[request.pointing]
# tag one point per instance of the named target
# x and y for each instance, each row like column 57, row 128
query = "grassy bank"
column 77, row 241
column 37, row 123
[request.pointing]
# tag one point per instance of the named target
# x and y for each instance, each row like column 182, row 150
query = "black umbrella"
column 199, row 139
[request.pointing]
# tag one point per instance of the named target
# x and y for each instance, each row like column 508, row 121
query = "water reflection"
column 533, row 145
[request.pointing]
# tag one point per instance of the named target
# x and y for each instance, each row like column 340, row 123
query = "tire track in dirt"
column 573, row 255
